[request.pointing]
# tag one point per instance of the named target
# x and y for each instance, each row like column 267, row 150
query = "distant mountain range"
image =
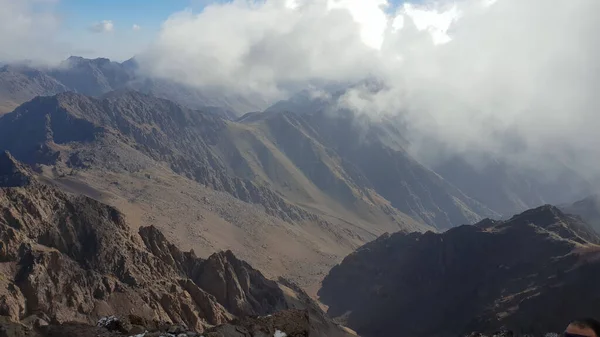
column 20, row 83
column 530, row 275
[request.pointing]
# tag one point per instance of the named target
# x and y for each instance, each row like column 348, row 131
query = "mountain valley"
column 143, row 194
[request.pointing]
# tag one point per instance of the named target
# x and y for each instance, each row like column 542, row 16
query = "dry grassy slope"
column 199, row 218
column 358, row 163
column 306, row 173
column 194, row 216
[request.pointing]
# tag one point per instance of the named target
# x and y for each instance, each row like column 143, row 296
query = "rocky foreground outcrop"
column 67, row 259
column 531, row 274
column 288, row 323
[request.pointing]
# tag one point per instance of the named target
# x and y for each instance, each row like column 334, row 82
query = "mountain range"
column 148, row 195
column 292, row 166
column 22, row 82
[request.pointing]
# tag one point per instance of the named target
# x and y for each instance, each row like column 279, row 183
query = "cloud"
column 136, row 27
column 35, row 30
column 274, row 47
column 509, row 77
column 266, row 47
column 104, row 26
column 26, row 32
column 514, row 73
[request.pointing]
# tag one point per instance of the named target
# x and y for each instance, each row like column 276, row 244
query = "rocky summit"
column 530, row 274
column 68, row 262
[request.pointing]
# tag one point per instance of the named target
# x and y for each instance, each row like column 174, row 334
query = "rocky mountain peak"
column 74, row 58
column 13, row 173
column 542, row 216
column 75, row 61
column 552, row 219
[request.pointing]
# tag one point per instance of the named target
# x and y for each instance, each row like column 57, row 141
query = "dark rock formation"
column 530, row 274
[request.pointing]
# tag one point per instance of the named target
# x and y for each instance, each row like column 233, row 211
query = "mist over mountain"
column 452, row 72
column 503, row 184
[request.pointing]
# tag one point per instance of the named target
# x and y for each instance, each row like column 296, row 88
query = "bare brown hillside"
column 68, row 260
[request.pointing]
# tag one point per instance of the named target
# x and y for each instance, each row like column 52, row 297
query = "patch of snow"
column 279, row 333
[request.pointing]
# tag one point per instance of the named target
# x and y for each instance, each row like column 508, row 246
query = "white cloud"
column 261, row 47
column 136, row 27
column 369, row 15
column 475, row 74
column 515, row 72
column 435, row 21
column 35, row 30
column 273, row 46
column 104, row 26
column 25, row 32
